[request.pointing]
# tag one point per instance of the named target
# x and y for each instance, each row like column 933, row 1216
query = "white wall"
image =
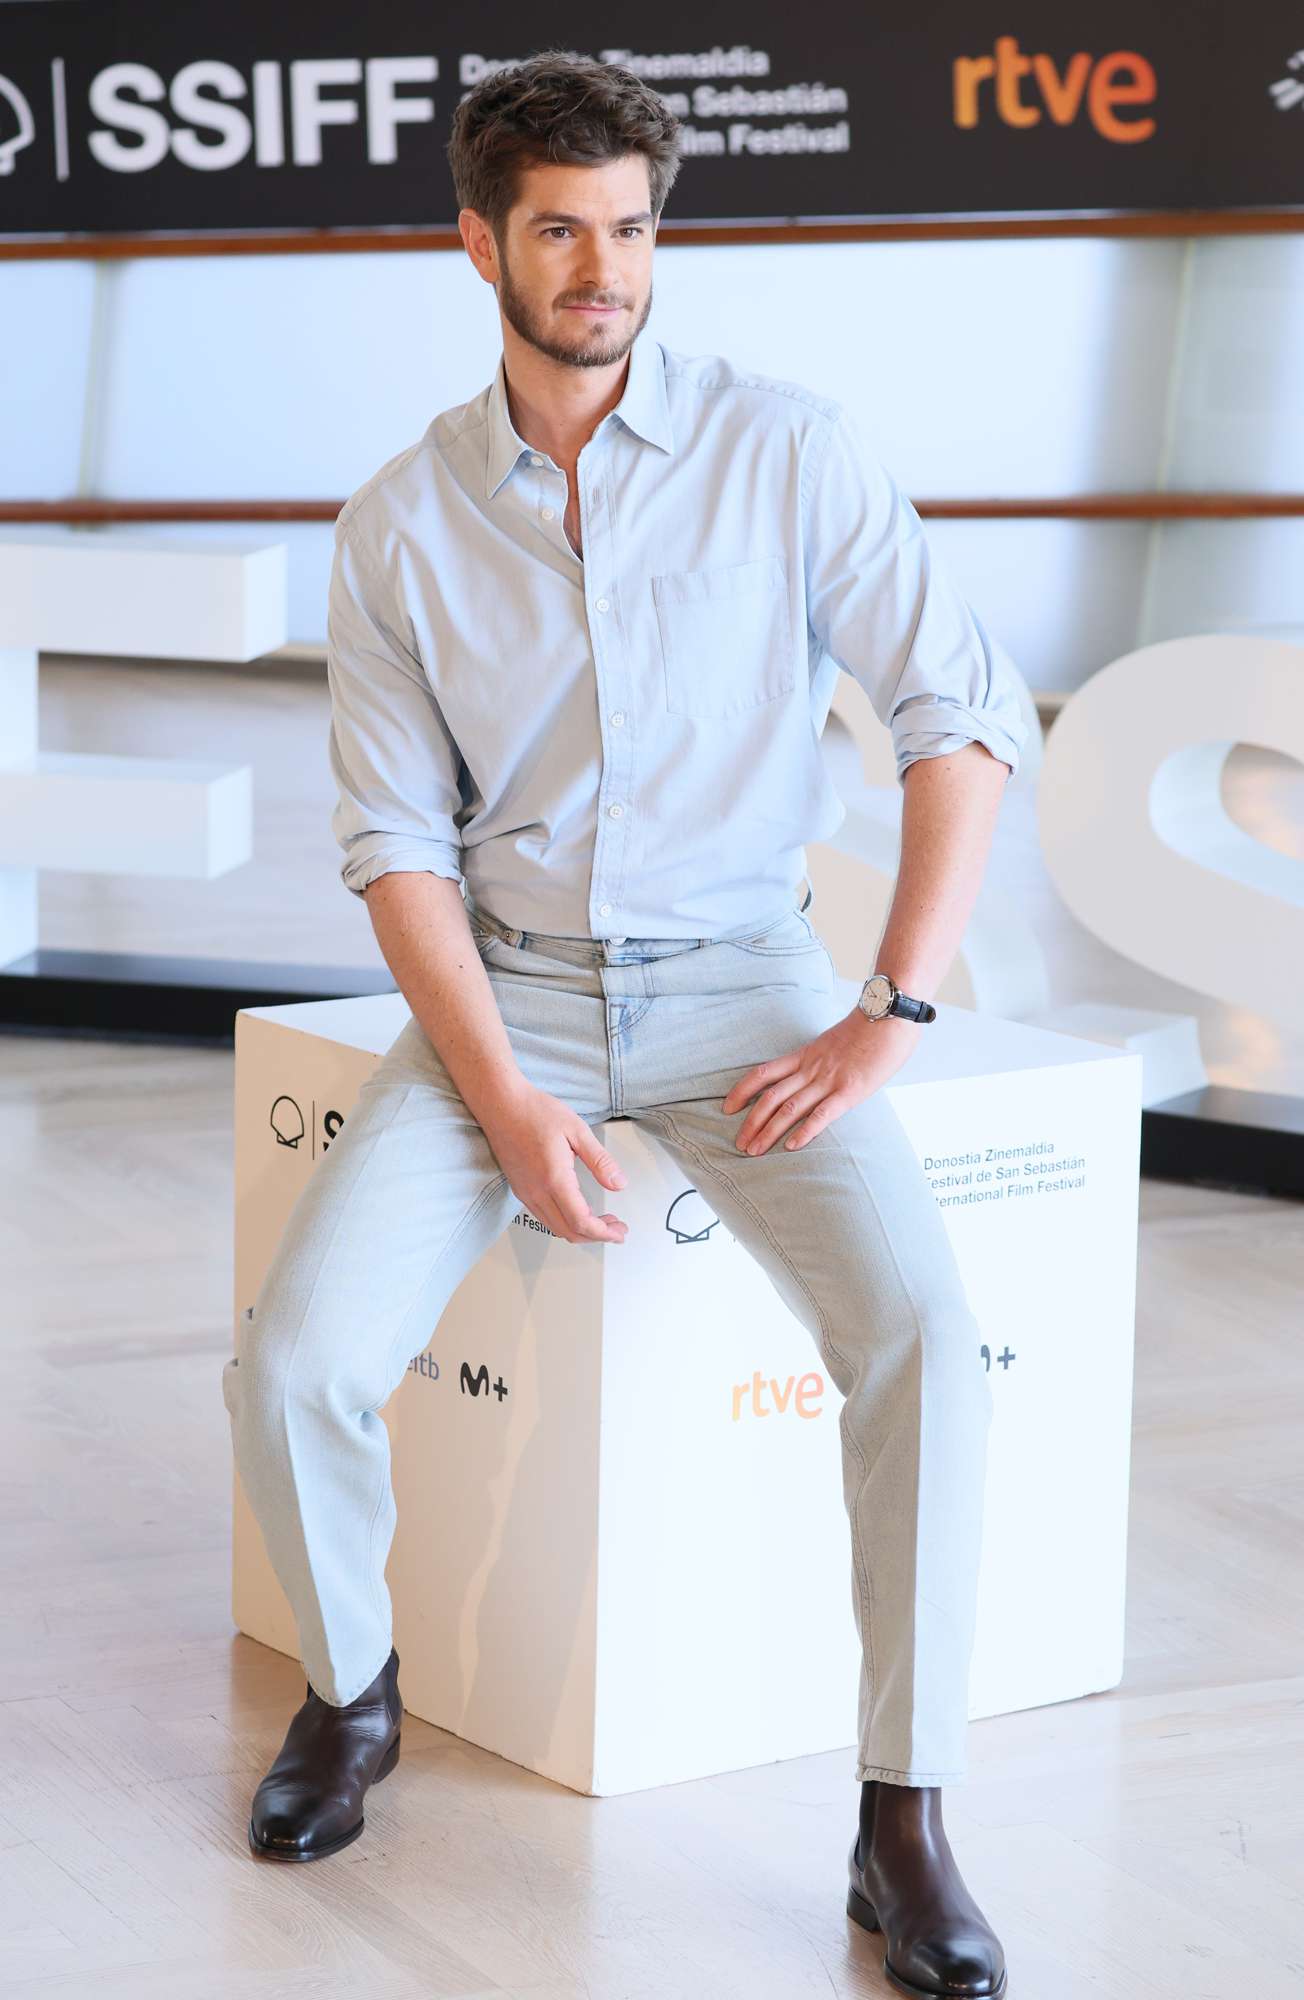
column 1038, row 367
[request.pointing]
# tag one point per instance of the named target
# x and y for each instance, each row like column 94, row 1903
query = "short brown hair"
column 556, row 110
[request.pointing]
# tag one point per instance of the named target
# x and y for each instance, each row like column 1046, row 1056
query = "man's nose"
column 598, row 280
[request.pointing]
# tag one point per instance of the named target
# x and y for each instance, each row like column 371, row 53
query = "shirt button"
column 617, row 718
column 615, row 811
column 535, row 459
column 604, row 909
column 602, row 604
column 547, row 512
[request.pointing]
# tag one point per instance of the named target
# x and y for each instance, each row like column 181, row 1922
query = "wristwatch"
column 880, row 996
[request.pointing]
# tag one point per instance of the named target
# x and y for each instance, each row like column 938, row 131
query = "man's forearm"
column 947, row 822
column 421, row 927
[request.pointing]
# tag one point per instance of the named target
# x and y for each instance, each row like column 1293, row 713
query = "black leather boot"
column 310, row 1802
column 905, row 1882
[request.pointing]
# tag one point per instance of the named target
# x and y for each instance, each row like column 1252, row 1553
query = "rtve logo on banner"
column 1122, row 77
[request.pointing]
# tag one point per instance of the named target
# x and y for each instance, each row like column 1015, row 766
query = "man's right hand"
column 535, row 1139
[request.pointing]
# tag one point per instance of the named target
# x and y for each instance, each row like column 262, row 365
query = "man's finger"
column 784, row 1116
column 580, row 1218
column 747, row 1086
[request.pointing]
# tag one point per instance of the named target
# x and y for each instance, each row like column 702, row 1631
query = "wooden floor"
column 1147, row 1842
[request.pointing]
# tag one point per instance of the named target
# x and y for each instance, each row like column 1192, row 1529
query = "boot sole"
column 266, row 1853
column 866, row 1915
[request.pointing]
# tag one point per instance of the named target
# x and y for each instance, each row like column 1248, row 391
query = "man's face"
column 601, row 254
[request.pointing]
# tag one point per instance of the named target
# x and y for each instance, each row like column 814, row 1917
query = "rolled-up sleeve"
column 885, row 609
column 393, row 759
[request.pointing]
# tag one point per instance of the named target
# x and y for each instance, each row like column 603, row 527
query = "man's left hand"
column 799, row 1094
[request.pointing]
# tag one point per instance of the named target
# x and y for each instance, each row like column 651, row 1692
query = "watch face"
column 878, row 994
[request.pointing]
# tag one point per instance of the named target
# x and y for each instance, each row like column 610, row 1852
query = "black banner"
column 223, row 115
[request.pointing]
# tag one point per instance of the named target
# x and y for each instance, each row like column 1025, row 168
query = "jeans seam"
column 615, row 1064
column 910, row 1777
column 770, row 951
column 487, row 1192
column 400, row 1100
column 364, row 1683
column 905, row 1289
column 826, row 1340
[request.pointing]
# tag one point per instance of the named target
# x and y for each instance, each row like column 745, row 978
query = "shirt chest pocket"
column 726, row 641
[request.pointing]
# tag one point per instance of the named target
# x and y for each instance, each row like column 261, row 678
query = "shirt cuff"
column 912, row 738
column 372, row 858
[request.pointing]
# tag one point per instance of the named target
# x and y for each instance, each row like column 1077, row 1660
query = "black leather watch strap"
column 912, row 1010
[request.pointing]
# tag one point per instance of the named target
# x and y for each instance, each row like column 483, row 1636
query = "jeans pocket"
column 792, row 933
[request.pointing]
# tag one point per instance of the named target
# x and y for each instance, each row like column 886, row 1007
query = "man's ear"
column 478, row 242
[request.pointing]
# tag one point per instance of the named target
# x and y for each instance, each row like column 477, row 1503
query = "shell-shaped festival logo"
column 24, row 129
column 690, row 1219
column 287, row 1122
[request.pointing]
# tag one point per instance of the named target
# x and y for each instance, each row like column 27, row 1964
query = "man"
column 583, row 637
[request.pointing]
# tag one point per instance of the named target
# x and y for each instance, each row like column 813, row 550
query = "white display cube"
column 622, row 1556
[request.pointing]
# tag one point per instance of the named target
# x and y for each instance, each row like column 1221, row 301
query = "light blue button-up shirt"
column 627, row 744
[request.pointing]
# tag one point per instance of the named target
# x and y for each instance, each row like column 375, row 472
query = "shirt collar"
column 644, row 409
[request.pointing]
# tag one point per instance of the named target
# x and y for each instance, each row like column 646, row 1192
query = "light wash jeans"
column 409, row 1197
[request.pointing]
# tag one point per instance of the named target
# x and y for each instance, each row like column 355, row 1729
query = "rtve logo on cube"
column 801, row 1396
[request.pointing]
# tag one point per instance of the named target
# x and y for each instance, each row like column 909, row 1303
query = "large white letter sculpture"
column 1134, row 831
